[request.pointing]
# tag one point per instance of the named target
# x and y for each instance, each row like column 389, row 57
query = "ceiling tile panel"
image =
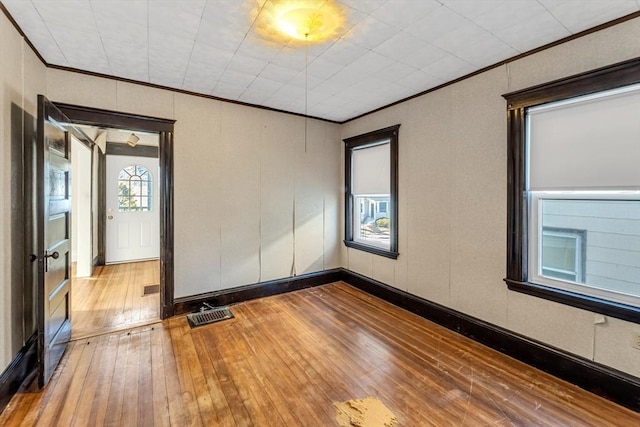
column 246, row 64
column 253, row 46
column 460, row 39
column 402, row 13
column 209, row 56
column 441, row 21
column 330, row 87
column 38, row 32
column 495, row 15
column 425, row 55
column 370, row 32
column 369, row 63
column 398, row 46
column 577, row 15
column 484, row 51
column 419, row 81
column 394, row 72
column 366, row 6
column 82, row 48
column 343, row 52
column 277, row 73
column 299, row 81
column 323, row 68
column 538, row 31
column 449, row 68
column 112, row 15
column 180, row 19
column 290, row 58
column 56, row 14
column 200, row 83
column 226, row 38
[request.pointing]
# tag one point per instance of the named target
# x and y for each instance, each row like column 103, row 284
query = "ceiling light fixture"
column 133, row 140
column 302, row 21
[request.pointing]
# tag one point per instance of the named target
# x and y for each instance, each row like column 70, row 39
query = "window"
column 574, row 191
column 563, row 254
column 134, row 189
column 371, row 188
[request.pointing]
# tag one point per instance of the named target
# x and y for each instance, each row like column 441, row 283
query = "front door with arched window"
column 133, row 220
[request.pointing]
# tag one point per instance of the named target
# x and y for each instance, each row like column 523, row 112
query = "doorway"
column 163, row 267
column 116, row 297
column 132, row 198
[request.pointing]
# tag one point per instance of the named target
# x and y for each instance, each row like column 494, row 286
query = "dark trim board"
column 604, row 381
column 120, row 149
column 257, row 290
column 20, row 368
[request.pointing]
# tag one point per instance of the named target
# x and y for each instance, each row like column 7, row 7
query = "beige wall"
column 250, row 203
column 452, row 201
column 22, row 77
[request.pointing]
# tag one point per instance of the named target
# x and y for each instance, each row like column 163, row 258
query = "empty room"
column 320, row 212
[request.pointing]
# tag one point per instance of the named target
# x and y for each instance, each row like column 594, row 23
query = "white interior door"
column 133, row 217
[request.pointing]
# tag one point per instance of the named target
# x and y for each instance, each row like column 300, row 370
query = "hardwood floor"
column 283, row 360
column 113, row 299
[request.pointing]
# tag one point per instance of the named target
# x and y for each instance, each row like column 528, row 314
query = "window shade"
column 371, row 169
column 589, row 142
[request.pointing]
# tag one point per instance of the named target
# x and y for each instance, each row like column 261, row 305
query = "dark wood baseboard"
column 604, row 381
column 256, row 290
column 21, row 366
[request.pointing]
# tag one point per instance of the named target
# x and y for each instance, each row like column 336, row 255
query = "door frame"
column 164, row 128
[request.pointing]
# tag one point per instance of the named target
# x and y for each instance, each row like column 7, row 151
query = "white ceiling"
column 388, row 50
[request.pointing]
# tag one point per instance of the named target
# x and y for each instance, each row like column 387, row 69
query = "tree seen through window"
column 134, row 189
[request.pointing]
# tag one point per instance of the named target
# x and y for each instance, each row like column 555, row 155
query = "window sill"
column 597, row 305
column 371, row 249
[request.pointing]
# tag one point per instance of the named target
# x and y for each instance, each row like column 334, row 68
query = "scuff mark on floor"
column 367, row 412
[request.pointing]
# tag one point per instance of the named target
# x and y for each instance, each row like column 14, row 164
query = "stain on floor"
column 367, row 412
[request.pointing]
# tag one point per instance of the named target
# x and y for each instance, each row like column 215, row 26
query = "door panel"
column 132, row 233
column 53, row 226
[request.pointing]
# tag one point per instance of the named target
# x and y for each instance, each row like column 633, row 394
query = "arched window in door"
column 134, row 189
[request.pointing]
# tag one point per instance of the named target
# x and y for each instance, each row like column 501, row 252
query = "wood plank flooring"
column 112, row 299
column 283, row 360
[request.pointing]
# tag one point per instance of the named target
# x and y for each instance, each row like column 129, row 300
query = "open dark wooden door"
column 53, row 226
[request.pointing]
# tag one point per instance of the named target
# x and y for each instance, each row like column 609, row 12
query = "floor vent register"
column 209, row 316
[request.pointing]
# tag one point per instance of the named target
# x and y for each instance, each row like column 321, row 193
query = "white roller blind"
column 370, row 168
column 589, row 142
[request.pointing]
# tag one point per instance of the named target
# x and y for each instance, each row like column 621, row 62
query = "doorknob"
column 54, row 255
column 110, row 217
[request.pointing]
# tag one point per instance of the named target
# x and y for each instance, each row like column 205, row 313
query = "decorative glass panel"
column 134, row 189
column 57, row 184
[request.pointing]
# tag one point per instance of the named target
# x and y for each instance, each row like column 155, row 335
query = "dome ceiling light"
column 304, row 21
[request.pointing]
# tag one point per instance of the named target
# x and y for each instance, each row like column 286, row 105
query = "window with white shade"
column 574, row 191
column 584, row 171
column 371, row 192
